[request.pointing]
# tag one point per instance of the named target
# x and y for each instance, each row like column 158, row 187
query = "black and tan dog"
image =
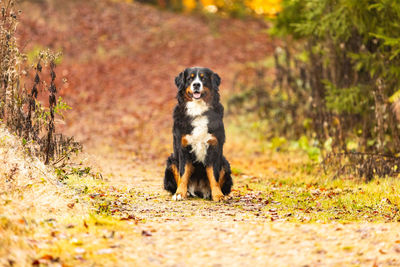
column 197, row 167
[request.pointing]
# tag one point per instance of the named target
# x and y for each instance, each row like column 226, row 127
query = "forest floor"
column 119, row 62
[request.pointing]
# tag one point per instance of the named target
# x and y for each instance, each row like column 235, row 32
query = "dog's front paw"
column 179, row 196
column 218, row 196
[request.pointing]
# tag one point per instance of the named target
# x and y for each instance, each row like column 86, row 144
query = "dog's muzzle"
column 196, row 90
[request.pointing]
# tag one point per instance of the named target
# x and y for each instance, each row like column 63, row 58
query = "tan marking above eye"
column 201, row 75
column 192, row 75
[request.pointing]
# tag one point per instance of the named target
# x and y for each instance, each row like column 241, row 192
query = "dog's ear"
column 180, row 80
column 215, row 80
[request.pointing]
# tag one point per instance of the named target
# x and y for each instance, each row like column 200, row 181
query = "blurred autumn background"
column 119, row 60
column 311, row 96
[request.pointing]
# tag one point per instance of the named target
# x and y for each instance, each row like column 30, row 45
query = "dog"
column 197, row 166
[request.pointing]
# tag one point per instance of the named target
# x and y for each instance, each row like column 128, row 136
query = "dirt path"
column 126, row 219
column 204, row 233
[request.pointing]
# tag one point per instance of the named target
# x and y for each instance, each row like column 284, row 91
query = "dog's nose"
column 196, row 85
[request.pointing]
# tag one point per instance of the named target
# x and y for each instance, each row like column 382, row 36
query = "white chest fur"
column 196, row 108
column 200, row 136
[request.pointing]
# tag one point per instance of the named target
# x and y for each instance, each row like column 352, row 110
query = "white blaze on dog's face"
column 197, row 86
column 197, row 93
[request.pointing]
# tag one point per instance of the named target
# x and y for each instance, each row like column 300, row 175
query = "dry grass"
column 30, row 196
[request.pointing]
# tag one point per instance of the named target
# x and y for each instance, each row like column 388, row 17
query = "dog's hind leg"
column 171, row 177
column 221, row 180
column 225, row 179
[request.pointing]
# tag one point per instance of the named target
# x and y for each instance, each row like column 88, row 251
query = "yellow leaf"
column 265, row 7
column 189, row 4
column 207, row 2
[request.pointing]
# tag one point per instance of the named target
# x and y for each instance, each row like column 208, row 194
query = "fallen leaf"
column 45, row 260
column 22, row 221
column 54, row 233
column 146, row 233
column 76, row 241
column 46, row 257
column 129, row 217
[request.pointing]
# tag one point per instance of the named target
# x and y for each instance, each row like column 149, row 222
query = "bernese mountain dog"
column 197, row 166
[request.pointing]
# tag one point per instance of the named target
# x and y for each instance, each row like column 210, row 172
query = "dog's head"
column 197, row 83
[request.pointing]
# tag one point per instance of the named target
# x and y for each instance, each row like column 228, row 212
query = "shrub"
column 349, row 55
column 20, row 109
column 337, row 81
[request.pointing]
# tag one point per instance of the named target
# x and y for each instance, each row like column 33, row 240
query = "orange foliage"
column 189, row 4
column 265, row 7
column 260, row 7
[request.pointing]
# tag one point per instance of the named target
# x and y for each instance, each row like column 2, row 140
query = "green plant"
column 337, row 80
column 349, row 69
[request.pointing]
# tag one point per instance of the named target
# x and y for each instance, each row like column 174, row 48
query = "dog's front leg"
column 216, row 192
column 215, row 186
column 181, row 192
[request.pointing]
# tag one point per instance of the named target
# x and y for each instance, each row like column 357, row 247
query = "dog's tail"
column 171, row 174
column 225, row 179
